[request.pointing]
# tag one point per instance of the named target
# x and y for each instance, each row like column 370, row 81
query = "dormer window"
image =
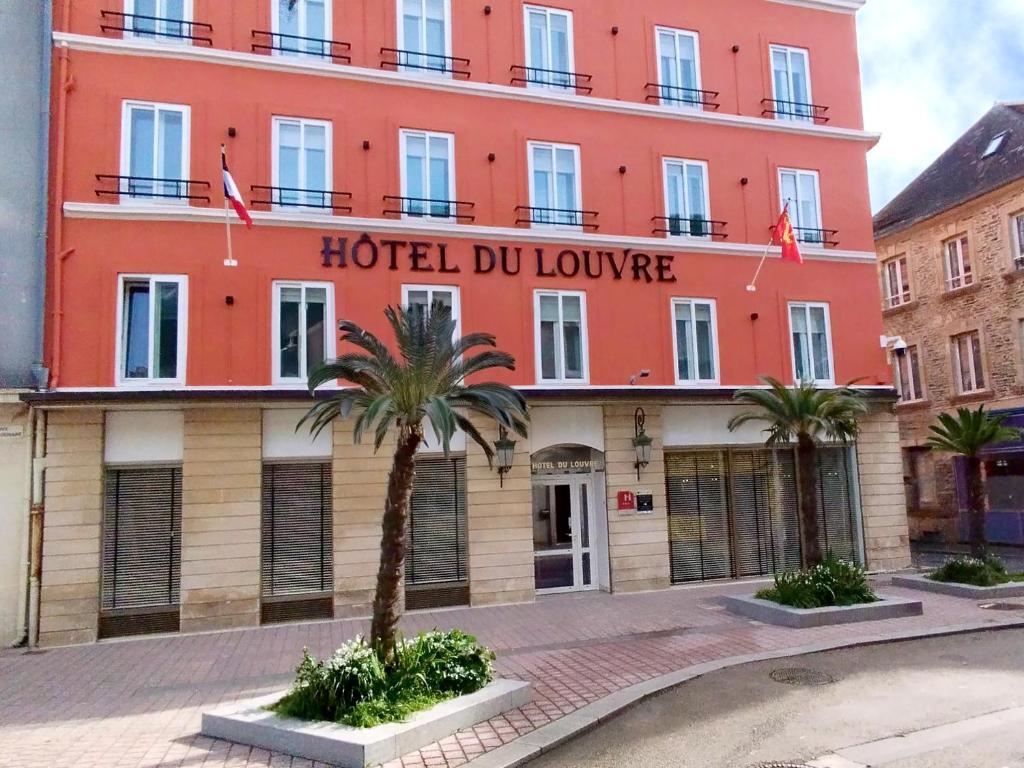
column 996, row 144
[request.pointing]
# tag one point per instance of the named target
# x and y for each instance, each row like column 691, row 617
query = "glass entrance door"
column 563, row 525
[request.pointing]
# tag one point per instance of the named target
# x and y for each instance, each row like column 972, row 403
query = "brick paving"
column 137, row 703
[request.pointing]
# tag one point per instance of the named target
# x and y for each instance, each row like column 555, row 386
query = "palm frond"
column 791, row 412
column 970, row 432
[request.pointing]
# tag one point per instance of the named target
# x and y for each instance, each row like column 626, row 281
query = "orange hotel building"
column 593, row 181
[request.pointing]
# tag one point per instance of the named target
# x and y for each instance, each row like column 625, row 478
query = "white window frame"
column 186, row 18
column 302, row 122
column 666, row 162
column 1017, row 239
column 403, row 138
column 697, row 381
column 408, row 288
column 794, row 215
column 584, row 343
column 789, row 50
column 126, row 147
column 403, row 44
column 961, row 261
column 916, row 386
column 807, row 306
column 677, row 102
column 971, row 368
column 275, row 28
column 120, row 379
column 528, row 45
column 330, row 343
column 900, row 296
column 554, row 147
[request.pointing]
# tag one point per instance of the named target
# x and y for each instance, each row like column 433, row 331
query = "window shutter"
column 698, row 522
column 835, row 505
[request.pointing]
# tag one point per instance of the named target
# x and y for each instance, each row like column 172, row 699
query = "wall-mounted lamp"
column 504, row 450
column 487, row 10
column 641, row 441
column 229, row 300
column 744, row 181
column 232, row 132
column 615, row 30
column 366, row 144
column 735, row 49
column 643, row 373
column 491, row 157
column 622, row 170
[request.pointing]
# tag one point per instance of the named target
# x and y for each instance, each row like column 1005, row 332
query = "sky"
column 930, row 69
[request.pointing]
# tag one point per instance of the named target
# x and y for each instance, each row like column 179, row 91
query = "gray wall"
column 24, row 108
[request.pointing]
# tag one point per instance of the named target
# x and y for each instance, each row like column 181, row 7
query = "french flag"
column 232, row 194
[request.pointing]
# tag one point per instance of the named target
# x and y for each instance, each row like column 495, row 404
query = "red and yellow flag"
column 785, row 236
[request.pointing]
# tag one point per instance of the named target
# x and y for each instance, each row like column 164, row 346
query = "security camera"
column 641, row 374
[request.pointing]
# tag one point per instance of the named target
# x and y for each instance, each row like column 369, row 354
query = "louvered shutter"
column 787, row 513
column 141, row 563
column 296, row 549
column 437, row 562
column 749, row 472
column 835, row 505
column 698, row 524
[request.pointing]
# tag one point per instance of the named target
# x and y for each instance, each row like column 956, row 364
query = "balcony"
column 691, row 226
column 794, row 110
column 425, row 207
column 556, row 217
column 815, row 236
column 300, row 199
column 150, row 188
column 676, row 96
column 396, row 59
column 276, row 43
column 157, row 27
column 551, row 78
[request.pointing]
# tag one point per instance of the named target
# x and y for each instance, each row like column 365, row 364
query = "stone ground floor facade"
column 15, row 474
column 199, row 515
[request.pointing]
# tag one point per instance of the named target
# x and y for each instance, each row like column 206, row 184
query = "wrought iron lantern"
column 504, row 450
column 641, row 441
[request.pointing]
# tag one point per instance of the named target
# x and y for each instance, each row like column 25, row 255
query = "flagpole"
column 230, row 260
column 752, row 287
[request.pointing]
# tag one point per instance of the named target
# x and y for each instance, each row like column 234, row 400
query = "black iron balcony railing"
column 294, row 197
column 794, row 110
column 689, row 226
column 552, row 78
column 678, row 96
column 427, row 207
column 156, row 26
column 815, row 236
column 296, row 45
column 559, row 217
column 144, row 187
column 394, row 58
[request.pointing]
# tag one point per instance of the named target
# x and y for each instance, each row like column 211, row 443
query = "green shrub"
column 834, row 582
column 972, row 570
column 354, row 687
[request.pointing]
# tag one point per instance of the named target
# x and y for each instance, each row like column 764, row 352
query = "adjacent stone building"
column 951, row 264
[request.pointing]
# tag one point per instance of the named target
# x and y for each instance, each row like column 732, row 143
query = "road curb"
column 547, row 737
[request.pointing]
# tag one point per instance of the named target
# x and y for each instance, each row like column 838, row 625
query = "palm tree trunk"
column 386, row 611
column 976, row 507
column 807, row 461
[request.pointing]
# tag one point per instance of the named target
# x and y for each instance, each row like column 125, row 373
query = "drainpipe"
column 67, row 84
column 39, row 373
column 36, row 525
column 23, row 560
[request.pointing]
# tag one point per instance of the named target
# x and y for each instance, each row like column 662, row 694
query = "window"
column 791, row 83
column 164, row 20
column 799, row 190
column 686, row 196
column 561, row 336
column 678, row 67
column 919, row 468
column 995, row 144
column 302, row 27
column 302, row 162
column 154, row 151
column 554, row 184
column 958, row 263
column 812, row 343
column 1017, row 240
column 549, row 51
column 302, row 329
column 152, row 318
column 907, row 368
column 895, row 282
column 423, row 297
column 428, row 174
column 694, row 334
column 967, row 364
column 425, row 28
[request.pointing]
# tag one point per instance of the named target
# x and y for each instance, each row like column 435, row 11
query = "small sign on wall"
column 644, row 502
column 8, row 430
column 627, row 501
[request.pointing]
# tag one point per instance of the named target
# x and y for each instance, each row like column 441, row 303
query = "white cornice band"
column 330, row 224
column 489, row 90
column 835, row 6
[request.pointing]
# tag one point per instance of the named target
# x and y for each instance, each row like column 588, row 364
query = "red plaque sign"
column 627, row 500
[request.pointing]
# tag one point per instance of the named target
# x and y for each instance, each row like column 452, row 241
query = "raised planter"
column 919, row 581
column 247, row 722
column 800, row 618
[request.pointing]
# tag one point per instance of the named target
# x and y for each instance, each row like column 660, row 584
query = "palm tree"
column 968, row 434
column 808, row 416
column 426, row 381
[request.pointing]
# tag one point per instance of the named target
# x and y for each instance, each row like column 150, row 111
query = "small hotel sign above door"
column 567, row 460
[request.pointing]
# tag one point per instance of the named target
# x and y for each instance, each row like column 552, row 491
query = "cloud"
column 930, row 69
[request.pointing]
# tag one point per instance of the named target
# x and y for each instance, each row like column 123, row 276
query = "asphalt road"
column 954, row 702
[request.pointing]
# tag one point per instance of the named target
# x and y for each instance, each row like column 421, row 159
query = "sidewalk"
column 138, row 703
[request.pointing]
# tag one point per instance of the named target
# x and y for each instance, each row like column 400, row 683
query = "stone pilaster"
column 882, row 496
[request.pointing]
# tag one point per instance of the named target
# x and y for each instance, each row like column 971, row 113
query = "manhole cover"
column 799, row 676
column 1002, row 606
